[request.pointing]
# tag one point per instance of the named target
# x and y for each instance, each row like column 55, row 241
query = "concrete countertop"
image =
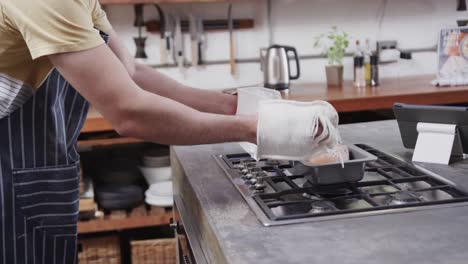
column 229, row 232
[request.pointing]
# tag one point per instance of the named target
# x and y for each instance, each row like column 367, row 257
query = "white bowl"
column 160, row 194
column 162, row 201
column 155, row 175
column 160, row 189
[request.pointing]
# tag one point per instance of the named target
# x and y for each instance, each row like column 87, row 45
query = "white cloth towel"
column 288, row 130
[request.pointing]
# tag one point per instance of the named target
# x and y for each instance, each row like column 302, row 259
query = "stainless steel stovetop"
column 389, row 186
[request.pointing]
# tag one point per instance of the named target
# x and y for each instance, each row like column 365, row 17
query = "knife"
column 232, row 60
column 201, row 40
column 178, row 44
column 173, row 44
column 162, row 30
column 461, row 5
column 193, row 39
column 140, row 41
column 169, row 36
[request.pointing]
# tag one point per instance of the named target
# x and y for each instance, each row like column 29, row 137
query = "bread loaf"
column 339, row 154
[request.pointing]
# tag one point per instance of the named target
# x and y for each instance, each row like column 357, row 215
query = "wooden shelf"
column 100, row 143
column 153, row 26
column 96, row 123
column 132, row 2
column 106, row 225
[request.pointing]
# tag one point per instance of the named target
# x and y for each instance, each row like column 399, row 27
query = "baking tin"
column 335, row 173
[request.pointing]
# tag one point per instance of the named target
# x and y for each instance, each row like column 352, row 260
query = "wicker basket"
column 155, row 251
column 100, row 250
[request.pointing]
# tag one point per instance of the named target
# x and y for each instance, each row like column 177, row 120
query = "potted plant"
column 334, row 44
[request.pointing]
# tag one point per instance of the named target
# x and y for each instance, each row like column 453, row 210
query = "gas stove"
column 278, row 196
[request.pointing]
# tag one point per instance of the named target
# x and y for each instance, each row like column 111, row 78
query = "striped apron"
column 39, row 183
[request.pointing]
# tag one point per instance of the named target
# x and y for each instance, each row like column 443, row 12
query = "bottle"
column 405, row 62
column 374, row 62
column 360, row 79
column 367, row 53
column 357, row 54
column 358, row 51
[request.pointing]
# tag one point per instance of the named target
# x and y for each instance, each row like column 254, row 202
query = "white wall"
column 413, row 23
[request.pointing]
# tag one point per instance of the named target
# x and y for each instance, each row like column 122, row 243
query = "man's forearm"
column 170, row 122
column 202, row 100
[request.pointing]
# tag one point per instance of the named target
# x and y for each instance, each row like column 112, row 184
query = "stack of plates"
column 156, row 166
column 160, row 194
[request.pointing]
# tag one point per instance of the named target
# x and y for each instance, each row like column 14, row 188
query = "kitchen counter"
column 223, row 229
column 410, row 90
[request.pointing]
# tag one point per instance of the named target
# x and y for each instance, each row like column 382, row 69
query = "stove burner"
column 328, row 192
column 404, row 197
column 322, row 207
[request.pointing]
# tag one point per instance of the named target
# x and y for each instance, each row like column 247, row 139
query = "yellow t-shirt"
column 32, row 29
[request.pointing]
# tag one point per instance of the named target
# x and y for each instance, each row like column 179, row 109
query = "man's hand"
column 104, row 81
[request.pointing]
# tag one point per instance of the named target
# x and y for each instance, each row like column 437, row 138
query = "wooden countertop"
column 415, row 90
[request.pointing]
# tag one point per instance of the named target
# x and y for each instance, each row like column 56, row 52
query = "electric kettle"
column 276, row 68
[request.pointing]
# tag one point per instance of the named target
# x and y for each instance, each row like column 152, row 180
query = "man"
column 53, row 60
